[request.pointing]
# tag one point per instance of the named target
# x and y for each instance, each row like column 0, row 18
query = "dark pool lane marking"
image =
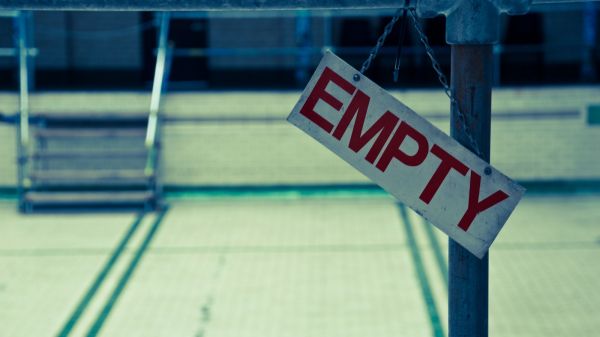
column 426, row 291
column 437, row 251
column 292, row 249
column 112, row 300
column 86, row 299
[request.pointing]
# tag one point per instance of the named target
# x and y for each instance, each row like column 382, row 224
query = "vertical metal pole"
column 472, row 28
column 472, row 78
column 31, row 51
column 327, row 38
column 23, row 126
column 23, row 77
column 161, row 77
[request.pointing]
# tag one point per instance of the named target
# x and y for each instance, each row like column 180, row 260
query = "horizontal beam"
column 212, row 5
column 194, row 5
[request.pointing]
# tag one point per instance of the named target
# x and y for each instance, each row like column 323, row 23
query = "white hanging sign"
column 406, row 155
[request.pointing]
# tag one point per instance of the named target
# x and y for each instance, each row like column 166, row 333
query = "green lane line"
column 85, row 301
column 95, row 329
column 287, row 192
column 434, row 317
column 437, row 251
column 293, row 249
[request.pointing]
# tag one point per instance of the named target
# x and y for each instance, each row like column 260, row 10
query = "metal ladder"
column 23, row 52
column 88, row 160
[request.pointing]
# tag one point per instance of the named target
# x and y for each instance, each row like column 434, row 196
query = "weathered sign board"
column 406, row 155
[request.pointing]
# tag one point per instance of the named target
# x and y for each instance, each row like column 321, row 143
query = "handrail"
column 9, row 13
column 158, row 84
column 21, row 46
column 23, row 38
column 160, row 73
column 12, row 52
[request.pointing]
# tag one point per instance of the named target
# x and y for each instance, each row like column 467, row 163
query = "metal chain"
column 434, row 63
column 443, row 80
column 381, row 40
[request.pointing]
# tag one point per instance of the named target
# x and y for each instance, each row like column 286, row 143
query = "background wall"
column 116, row 49
column 242, row 138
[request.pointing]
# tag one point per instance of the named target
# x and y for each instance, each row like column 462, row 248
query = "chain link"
column 381, row 40
column 444, row 81
column 434, row 63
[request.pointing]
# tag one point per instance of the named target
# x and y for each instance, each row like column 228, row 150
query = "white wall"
column 536, row 134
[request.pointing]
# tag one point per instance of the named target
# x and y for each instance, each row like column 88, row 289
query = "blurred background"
column 150, row 185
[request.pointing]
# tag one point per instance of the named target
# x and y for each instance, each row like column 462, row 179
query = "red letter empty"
column 393, row 148
column 383, row 127
column 448, row 163
column 475, row 206
column 319, row 92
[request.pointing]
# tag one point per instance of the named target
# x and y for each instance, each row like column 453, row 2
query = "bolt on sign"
column 406, row 155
